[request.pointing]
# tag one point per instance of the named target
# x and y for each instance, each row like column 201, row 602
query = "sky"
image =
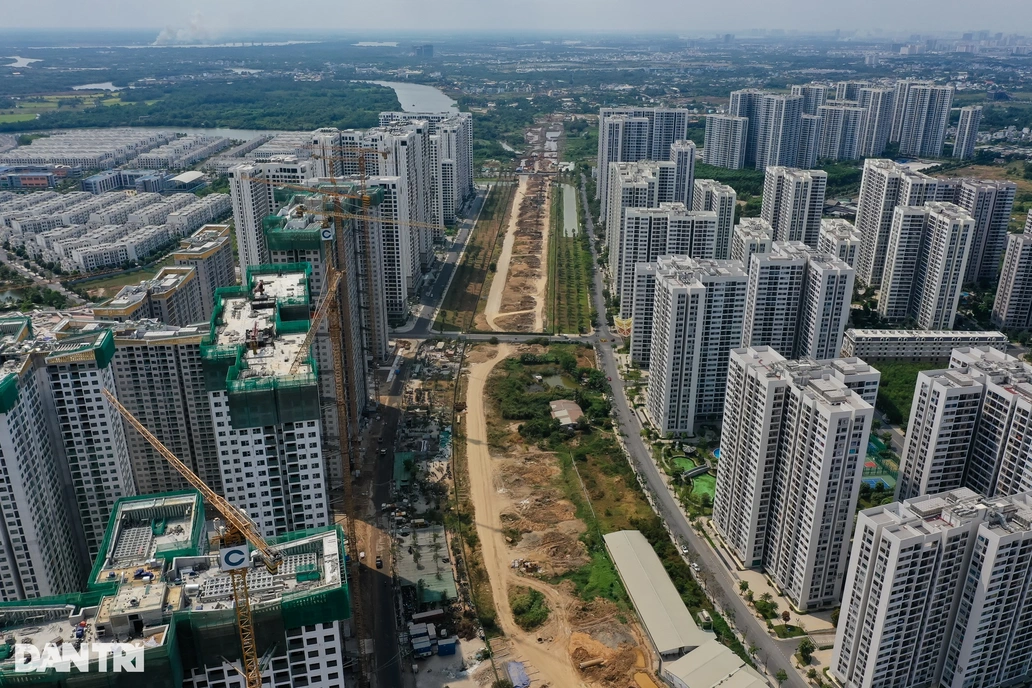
column 220, row 18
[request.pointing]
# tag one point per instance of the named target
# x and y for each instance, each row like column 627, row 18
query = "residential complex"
column 926, row 259
column 629, row 134
column 989, row 202
column 793, row 201
column 88, row 149
column 693, row 321
column 792, row 441
column 252, row 188
column 721, row 199
column 841, row 129
column 923, row 112
column 751, row 235
column 725, row 141
column 173, row 296
column 210, row 252
column 935, row 594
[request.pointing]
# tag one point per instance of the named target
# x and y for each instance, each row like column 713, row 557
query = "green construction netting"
column 8, row 392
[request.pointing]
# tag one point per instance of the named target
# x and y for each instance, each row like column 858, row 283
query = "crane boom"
column 238, row 530
column 332, row 280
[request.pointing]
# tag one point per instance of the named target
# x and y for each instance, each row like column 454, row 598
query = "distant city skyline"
column 198, row 21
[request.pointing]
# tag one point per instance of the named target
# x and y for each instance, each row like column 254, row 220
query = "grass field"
column 705, row 484
column 17, row 117
column 896, row 390
column 569, row 276
column 460, row 303
column 1015, row 172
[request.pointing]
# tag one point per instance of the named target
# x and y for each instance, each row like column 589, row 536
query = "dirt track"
column 494, row 297
column 548, row 662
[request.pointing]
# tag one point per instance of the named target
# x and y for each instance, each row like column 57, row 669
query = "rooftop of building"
column 925, row 334
column 687, row 270
column 203, row 242
column 168, row 280
column 931, row 514
column 839, row 228
column 42, row 337
column 713, row 185
column 253, row 318
column 754, row 227
column 640, row 171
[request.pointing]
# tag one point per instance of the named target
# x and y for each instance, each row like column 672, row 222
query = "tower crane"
column 238, row 531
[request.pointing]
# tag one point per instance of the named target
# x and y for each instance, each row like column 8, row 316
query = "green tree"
column 806, row 649
column 781, row 676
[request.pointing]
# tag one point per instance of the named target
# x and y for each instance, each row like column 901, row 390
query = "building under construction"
column 156, row 584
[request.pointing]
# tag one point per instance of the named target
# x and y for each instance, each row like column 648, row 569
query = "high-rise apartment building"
column 725, row 141
column 839, row 238
column 925, row 115
column 630, row 134
column 792, row 443
column 877, row 122
column 884, row 185
column 935, row 594
column 751, row 235
column 747, row 103
column 697, row 313
column 682, row 154
column 841, row 127
column 721, row 199
column 38, row 553
column 780, row 131
column 797, row 301
column 813, row 95
column 990, row 203
column 172, row 296
column 793, row 202
column 809, row 141
column 1012, row 308
column 267, row 422
column 925, row 264
column 252, row 190
column 967, row 132
column 849, row 90
column 649, row 233
column 209, row 251
column 643, row 184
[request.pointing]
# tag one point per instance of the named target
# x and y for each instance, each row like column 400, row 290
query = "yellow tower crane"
column 238, row 532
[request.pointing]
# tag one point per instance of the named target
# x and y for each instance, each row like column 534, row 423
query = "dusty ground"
column 521, row 515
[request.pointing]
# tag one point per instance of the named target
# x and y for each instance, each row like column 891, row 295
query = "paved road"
column 429, row 302
column 775, row 655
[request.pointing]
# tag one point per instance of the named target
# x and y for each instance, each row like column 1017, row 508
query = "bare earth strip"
column 494, row 297
column 548, row 661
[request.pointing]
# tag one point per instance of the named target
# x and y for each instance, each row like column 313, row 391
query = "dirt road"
column 548, row 662
column 494, row 297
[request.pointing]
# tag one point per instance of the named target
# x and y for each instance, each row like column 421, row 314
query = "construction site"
column 533, row 526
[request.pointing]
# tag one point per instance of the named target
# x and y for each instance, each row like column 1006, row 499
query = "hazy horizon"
column 207, row 22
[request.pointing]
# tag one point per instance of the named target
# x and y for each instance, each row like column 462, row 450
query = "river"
column 420, row 98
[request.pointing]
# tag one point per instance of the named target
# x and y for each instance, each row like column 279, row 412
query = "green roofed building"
column 156, row 584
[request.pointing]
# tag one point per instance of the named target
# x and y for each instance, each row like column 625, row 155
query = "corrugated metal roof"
column 713, row 665
column 666, row 618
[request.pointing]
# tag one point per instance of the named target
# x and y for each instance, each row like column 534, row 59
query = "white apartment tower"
column 1012, row 308
column 643, row 184
column 649, row 233
column 809, row 141
column 793, row 202
column 798, row 301
column 630, row 134
column 841, row 126
column 877, row 124
column 967, row 132
column 839, row 238
column 38, row 553
column 751, row 235
column 884, row 185
column 849, row 90
column 814, row 96
column 698, row 307
column 780, row 131
column 942, row 424
column 925, row 115
column 209, row 251
column 935, row 594
column 682, row 154
column 725, row 142
column 719, row 198
column 747, row 103
column 792, row 441
column 925, row 264
column 989, row 202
